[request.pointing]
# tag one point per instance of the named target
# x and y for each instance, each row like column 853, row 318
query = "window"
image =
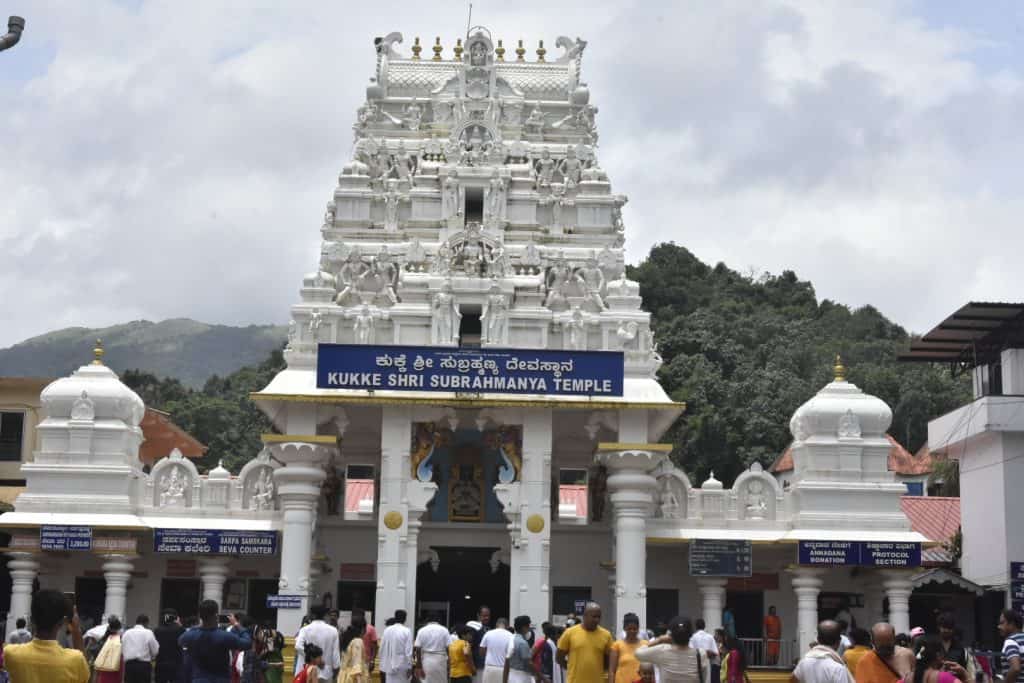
column 474, row 204
column 360, row 491
column 572, row 495
column 12, row 428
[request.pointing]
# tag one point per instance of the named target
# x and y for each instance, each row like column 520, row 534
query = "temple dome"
column 93, row 392
column 219, row 472
column 841, row 410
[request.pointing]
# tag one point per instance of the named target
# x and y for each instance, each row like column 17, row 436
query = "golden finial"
column 458, row 50
column 520, row 51
column 437, row 49
column 839, row 369
column 97, row 353
column 541, row 51
column 416, row 48
column 500, row 51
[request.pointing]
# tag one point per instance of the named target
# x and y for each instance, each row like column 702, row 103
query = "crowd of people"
column 478, row 651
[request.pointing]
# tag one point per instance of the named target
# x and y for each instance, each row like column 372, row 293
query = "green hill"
column 187, row 350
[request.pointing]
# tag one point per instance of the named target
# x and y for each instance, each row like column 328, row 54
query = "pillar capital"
column 641, row 457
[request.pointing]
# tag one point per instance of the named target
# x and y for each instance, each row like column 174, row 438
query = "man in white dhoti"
column 430, row 653
column 396, row 650
column 493, row 648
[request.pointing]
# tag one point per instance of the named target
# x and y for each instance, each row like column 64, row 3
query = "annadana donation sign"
column 859, row 553
column 504, row 371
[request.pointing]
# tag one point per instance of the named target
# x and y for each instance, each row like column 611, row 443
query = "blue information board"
column 284, row 602
column 828, row 553
column 858, row 553
column 58, row 537
column 721, row 558
column 215, row 542
column 478, row 371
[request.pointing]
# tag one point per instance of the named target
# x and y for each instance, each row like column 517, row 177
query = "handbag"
column 109, row 658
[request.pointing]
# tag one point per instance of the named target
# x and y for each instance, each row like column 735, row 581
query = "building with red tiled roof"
column 938, row 519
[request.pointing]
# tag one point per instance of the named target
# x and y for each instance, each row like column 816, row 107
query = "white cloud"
column 174, row 158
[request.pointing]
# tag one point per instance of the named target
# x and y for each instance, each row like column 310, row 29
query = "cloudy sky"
column 166, row 159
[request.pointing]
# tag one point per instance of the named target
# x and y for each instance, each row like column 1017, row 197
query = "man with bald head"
column 822, row 663
column 583, row 649
column 887, row 662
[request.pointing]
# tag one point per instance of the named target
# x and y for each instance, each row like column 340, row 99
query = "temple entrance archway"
column 456, row 581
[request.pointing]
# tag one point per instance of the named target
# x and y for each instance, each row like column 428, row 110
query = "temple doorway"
column 457, row 581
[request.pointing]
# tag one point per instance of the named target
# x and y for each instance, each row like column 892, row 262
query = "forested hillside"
column 743, row 353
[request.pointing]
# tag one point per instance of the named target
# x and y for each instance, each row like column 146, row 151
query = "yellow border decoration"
column 466, row 401
column 617, row 446
column 325, row 439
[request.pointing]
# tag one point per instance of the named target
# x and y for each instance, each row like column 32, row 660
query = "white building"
column 499, row 379
column 986, row 436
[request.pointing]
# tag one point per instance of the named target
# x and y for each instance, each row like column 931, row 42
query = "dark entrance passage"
column 464, row 580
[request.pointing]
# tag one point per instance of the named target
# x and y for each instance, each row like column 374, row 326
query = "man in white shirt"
column 430, row 653
column 396, row 650
column 21, row 634
column 323, row 635
column 702, row 640
column 822, row 663
column 493, row 648
column 139, row 648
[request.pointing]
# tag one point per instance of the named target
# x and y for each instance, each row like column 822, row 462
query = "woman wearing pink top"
column 931, row 666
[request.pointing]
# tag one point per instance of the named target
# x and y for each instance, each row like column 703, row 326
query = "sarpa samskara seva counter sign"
column 499, row 371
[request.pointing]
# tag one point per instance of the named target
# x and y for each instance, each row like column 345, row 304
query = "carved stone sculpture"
column 497, row 260
column 544, row 167
column 172, row 489
column 627, row 334
column 756, row 505
column 445, row 317
column 530, row 260
column 452, row 198
column 495, row 201
column 472, row 251
column 83, row 407
column 392, row 199
column 494, row 317
column 576, row 330
column 413, row 115
column 364, row 323
column 536, row 121
column 592, row 278
column 570, row 168
column 263, row 491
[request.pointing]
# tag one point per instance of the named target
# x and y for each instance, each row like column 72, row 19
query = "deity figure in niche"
column 386, row 265
column 576, row 330
column 536, row 120
column 413, row 115
column 472, row 251
column 669, row 501
column 446, row 316
column 392, row 198
column 530, row 258
column 364, row 325
column 497, row 260
column 452, row 197
column 315, row 321
column 544, row 168
column 494, row 317
column 557, row 280
column 570, row 168
column 443, row 263
column 172, row 489
column 329, row 215
column 478, row 53
column 496, row 198
column 756, row 505
column 263, row 491
column 592, row 278
column 627, row 334
column 402, row 164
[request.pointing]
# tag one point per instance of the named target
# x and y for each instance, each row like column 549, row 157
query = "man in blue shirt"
column 209, row 648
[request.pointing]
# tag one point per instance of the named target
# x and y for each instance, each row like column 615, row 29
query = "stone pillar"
column 631, row 488
column 806, row 584
column 298, row 489
column 24, row 567
column 213, row 573
column 402, row 501
column 530, row 555
column 117, row 571
column 898, row 589
column 712, row 593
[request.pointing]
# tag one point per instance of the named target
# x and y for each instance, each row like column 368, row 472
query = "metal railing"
column 764, row 652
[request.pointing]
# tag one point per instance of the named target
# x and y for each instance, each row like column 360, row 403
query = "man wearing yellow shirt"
column 43, row 660
column 583, row 649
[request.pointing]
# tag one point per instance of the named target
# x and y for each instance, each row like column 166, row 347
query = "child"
column 646, row 673
column 314, row 660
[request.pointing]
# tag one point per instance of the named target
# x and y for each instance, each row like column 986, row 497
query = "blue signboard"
column 284, row 602
column 477, row 371
column 57, row 537
column 721, row 558
column 1017, row 571
column 828, row 553
column 215, row 542
column 890, row 554
column 859, row 553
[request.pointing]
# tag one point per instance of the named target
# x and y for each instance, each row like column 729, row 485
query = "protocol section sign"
column 214, row 542
column 858, row 553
